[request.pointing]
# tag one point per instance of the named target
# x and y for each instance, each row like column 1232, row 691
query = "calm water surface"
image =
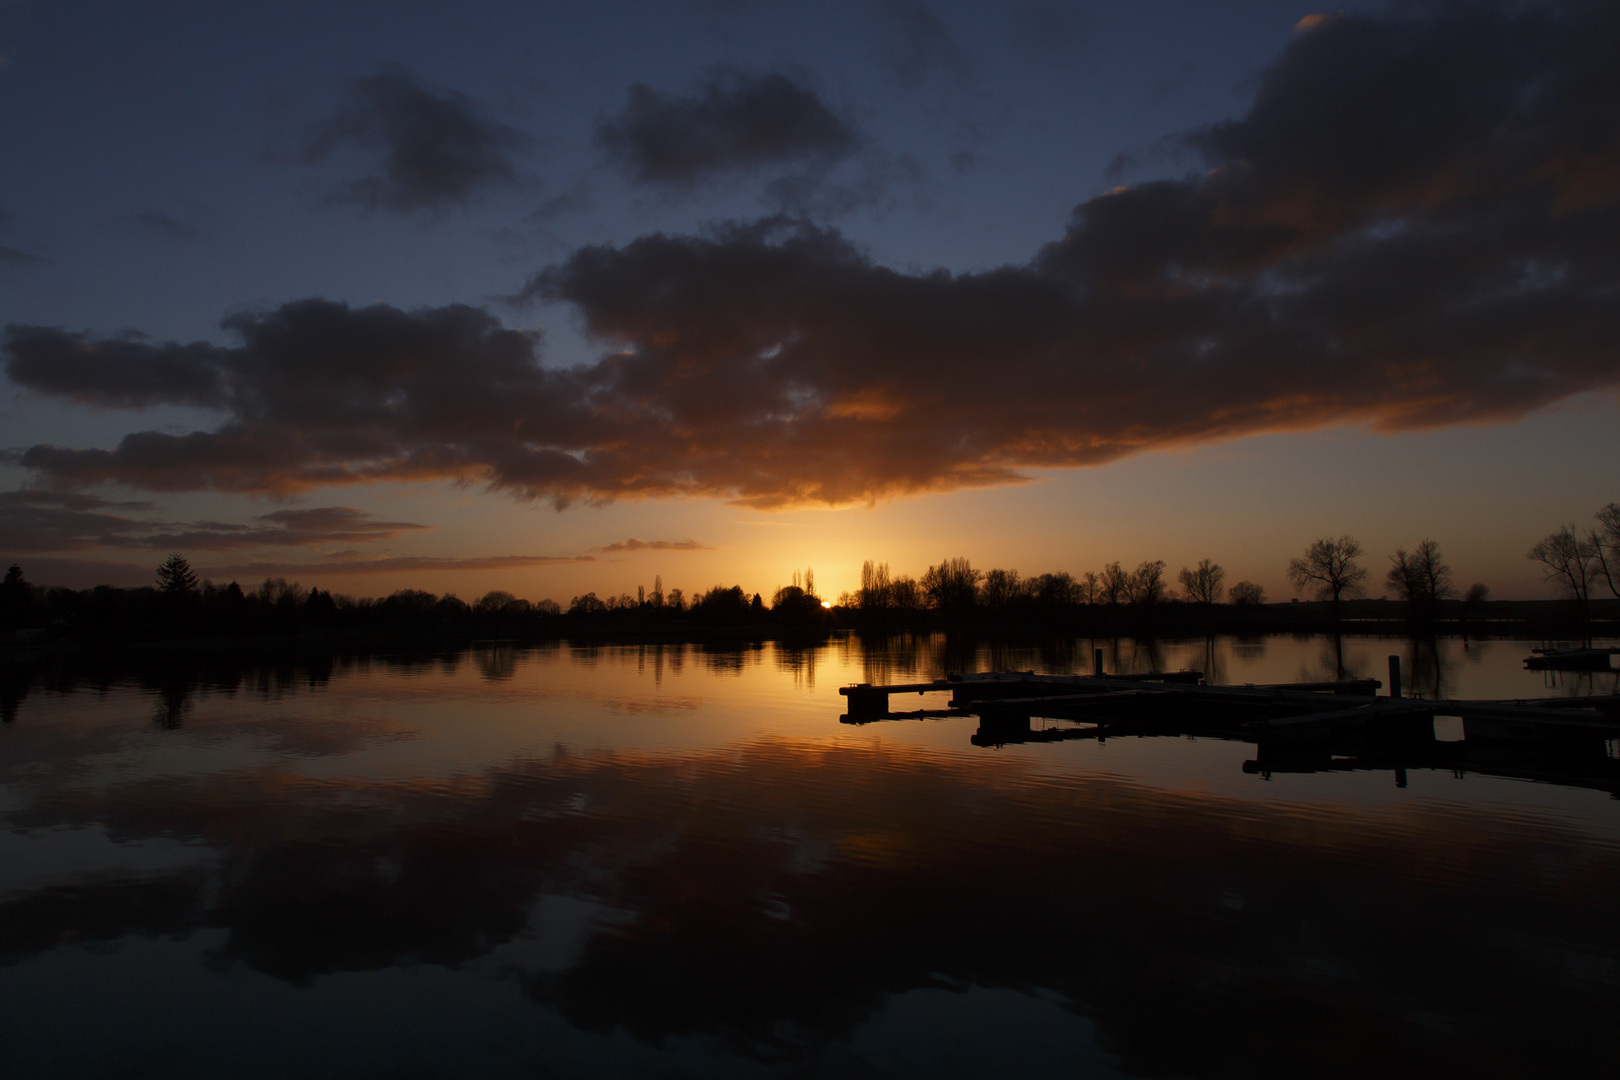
column 676, row 861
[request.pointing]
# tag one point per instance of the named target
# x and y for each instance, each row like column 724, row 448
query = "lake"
column 675, row 860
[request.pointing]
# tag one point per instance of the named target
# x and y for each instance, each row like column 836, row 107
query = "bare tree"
column 1147, row 582
column 1421, row 578
column 1002, row 588
column 1114, row 586
column 876, row 592
column 952, row 585
column 1202, row 584
column 1329, row 568
column 905, row 594
column 1605, row 541
column 1055, row 591
column 1090, row 587
column 1570, row 561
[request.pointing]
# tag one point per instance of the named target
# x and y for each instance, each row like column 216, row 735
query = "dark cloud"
column 1416, row 224
column 124, row 372
column 34, row 520
column 633, row 544
column 916, row 42
column 735, row 122
column 317, row 394
column 437, row 148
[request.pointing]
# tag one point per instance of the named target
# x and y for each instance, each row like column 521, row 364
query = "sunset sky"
column 554, row 298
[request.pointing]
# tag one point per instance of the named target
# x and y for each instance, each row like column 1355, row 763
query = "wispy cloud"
column 34, row 520
column 633, row 544
column 393, row 565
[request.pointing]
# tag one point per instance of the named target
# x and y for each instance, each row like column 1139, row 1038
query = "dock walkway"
column 1007, row 701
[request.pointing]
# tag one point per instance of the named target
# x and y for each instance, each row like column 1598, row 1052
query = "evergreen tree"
column 176, row 577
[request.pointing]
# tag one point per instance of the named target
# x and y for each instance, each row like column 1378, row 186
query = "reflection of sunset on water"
column 670, row 842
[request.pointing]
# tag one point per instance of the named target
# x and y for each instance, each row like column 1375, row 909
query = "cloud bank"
column 1417, row 223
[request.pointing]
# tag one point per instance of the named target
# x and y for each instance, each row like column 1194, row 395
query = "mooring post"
column 1096, row 664
column 867, row 702
column 1394, row 676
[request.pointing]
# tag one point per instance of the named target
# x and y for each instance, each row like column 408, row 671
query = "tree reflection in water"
column 772, row 896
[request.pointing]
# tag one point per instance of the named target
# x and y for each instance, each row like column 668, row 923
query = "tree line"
column 1328, row 570
column 1577, row 561
column 181, row 605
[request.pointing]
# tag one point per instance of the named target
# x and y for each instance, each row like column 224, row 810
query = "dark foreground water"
column 675, row 861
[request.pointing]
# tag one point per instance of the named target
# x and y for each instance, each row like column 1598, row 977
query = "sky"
column 559, row 298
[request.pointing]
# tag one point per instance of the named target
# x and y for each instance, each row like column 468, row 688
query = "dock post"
column 867, row 702
column 1096, row 664
column 1394, row 676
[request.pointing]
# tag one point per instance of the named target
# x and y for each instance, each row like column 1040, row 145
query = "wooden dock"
column 1350, row 712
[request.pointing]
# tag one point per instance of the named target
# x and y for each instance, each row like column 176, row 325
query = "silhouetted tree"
column 320, row 608
column 952, row 586
column 495, row 602
column 175, row 577
column 1421, row 578
column 1570, row 561
column 1147, row 582
column 1329, row 568
column 1001, row 589
column 1055, row 592
column 1114, row 586
column 19, row 601
column 906, row 594
column 721, row 604
column 1203, row 583
column 1246, row 594
column 278, row 592
column 1089, row 588
column 1605, row 541
column 586, row 605
column 875, row 594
